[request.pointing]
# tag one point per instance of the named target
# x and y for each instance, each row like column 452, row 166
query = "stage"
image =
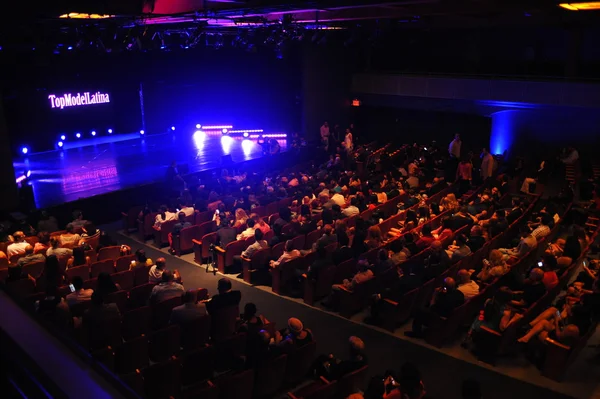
column 70, row 174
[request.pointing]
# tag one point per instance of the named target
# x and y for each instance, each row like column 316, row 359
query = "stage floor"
column 63, row 176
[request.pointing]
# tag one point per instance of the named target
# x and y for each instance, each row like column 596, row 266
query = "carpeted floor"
column 443, row 371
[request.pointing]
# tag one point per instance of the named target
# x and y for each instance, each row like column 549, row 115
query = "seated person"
column 426, row 238
column 497, row 223
column 374, row 237
column 526, row 244
column 43, row 243
column 496, row 315
column 295, row 336
column 249, row 321
column 343, row 252
column 549, row 266
column 226, row 233
column 518, row 207
column 533, row 290
column 80, row 294
column 181, row 224
column 356, row 360
column 18, row 246
column 70, row 237
column 476, row 239
column 155, row 273
column 249, row 231
column 445, row 299
column 289, row 253
column 384, row 263
column 141, row 260
column 90, row 233
column 225, row 298
column 398, row 252
column 97, row 316
column 167, row 289
column 78, row 221
column 364, row 274
column 15, row 273
column 493, row 267
column 56, row 250
column 30, row 257
column 444, row 231
column 252, row 249
column 468, row 287
column 459, row 249
column 436, row 263
column 541, row 229
column 163, row 216
column 189, row 311
column 79, row 258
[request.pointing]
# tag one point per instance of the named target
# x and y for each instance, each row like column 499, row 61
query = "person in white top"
column 288, row 254
column 487, row 164
column 249, row 232
column 188, row 210
column 18, row 247
column 352, row 210
column 80, row 294
column 325, row 133
column 349, row 141
column 338, row 199
column 468, row 287
column 156, row 271
column 164, row 216
column 454, row 148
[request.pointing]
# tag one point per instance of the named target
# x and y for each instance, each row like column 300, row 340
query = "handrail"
column 66, row 374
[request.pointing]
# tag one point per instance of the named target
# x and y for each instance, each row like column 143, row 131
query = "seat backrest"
column 162, row 380
column 203, row 217
column 164, row 343
column 136, row 322
column 223, row 322
column 299, row 241
column 232, row 249
column 103, row 266
column 207, row 241
column 312, row 238
column 187, row 235
column 132, row 355
column 109, row 253
column 140, row 275
column 344, row 270
column 325, row 281
column 3, row 263
column 260, row 257
column 269, row 376
column 119, row 298
column 138, row 296
column 277, row 250
column 81, row 271
column 237, row 386
column 352, row 382
column 161, row 312
column 299, row 362
column 198, row 364
column 123, row 263
column 124, row 279
column 34, row 269
column 15, row 258
column 21, row 288
column 195, row 334
column 206, row 227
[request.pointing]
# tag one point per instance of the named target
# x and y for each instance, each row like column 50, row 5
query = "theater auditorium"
column 214, row 199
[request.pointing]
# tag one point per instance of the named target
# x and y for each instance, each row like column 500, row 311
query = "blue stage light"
column 93, row 132
column 247, row 147
column 226, row 142
column 24, row 150
column 60, row 144
column 78, row 135
column 142, row 132
column 224, row 131
column 198, row 126
column 172, row 127
column 63, row 137
column 28, row 173
column 109, row 131
column 70, row 48
column 245, row 134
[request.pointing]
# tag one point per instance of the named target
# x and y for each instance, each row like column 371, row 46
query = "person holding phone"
column 78, row 293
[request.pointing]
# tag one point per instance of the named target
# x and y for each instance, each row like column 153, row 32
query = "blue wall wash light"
column 503, row 131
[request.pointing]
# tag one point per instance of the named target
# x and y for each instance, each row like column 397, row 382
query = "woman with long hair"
column 79, row 258
column 374, row 237
column 241, row 217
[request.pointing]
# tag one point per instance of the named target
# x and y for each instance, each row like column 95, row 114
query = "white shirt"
column 338, row 199
column 454, row 148
column 249, row 232
column 59, row 252
column 79, row 296
column 16, row 248
column 286, row 257
column 168, row 216
column 188, row 210
column 155, row 275
column 469, row 289
column 350, row 211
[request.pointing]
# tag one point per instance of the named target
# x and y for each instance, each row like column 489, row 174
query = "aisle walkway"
column 442, row 372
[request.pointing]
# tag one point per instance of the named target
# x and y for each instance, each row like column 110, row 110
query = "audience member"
column 493, row 267
column 468, row 287
column 47, row 223
column 106, row 285
column 189, row 311
column 56, row 250
column 167, row 289
column 79, row 294
column 225, row 298
column 289, row 253
column 19, row 245
column 155, row 273
column 30, row 257
column 43, row 243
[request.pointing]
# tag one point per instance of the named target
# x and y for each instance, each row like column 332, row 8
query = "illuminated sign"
column 356, row 103
column 70, row 100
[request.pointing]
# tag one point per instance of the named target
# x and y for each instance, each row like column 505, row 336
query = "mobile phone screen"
column 72, row 287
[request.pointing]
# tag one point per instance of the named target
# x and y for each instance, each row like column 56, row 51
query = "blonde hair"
column 496, row 257
column 241, row 215
column 449, row 201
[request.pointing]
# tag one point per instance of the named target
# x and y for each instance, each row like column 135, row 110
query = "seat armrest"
column 489, row 330
column 554, row 342
column 197, row 242
column 390, row 302
column 244, row 259
column 219, row 249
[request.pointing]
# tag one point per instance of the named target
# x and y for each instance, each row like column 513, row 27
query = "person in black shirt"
column 225, row 298
column 516, row 211
column 180, row 225
column 357, row 359
column 476, row 239
column 445, row 299
column 460, row 219
column 498, row 223
column 343, row 252
column 533, row 290
column 321, row 263
column 226, row 233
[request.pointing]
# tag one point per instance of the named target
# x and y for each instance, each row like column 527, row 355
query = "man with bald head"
column 533, row 289
column 468, row 287
column 445, row 299
column 30, row 257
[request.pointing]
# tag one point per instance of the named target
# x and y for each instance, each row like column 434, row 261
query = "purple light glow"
column 247, row 131
column 217, row 127
column 71, row 100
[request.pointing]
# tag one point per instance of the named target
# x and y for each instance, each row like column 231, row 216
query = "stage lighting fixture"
column 60, row 144
column 142, row 132
column 245, row 134
column 24, row 150
column 247, row 147
column 28, row 173
column 226, row 142
column 93, row 132
column 173, row 128
column 224, row 131
column 63, row 137
column 198, row 126
column 78, row 135
column 109, row 131
column 70, row 48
